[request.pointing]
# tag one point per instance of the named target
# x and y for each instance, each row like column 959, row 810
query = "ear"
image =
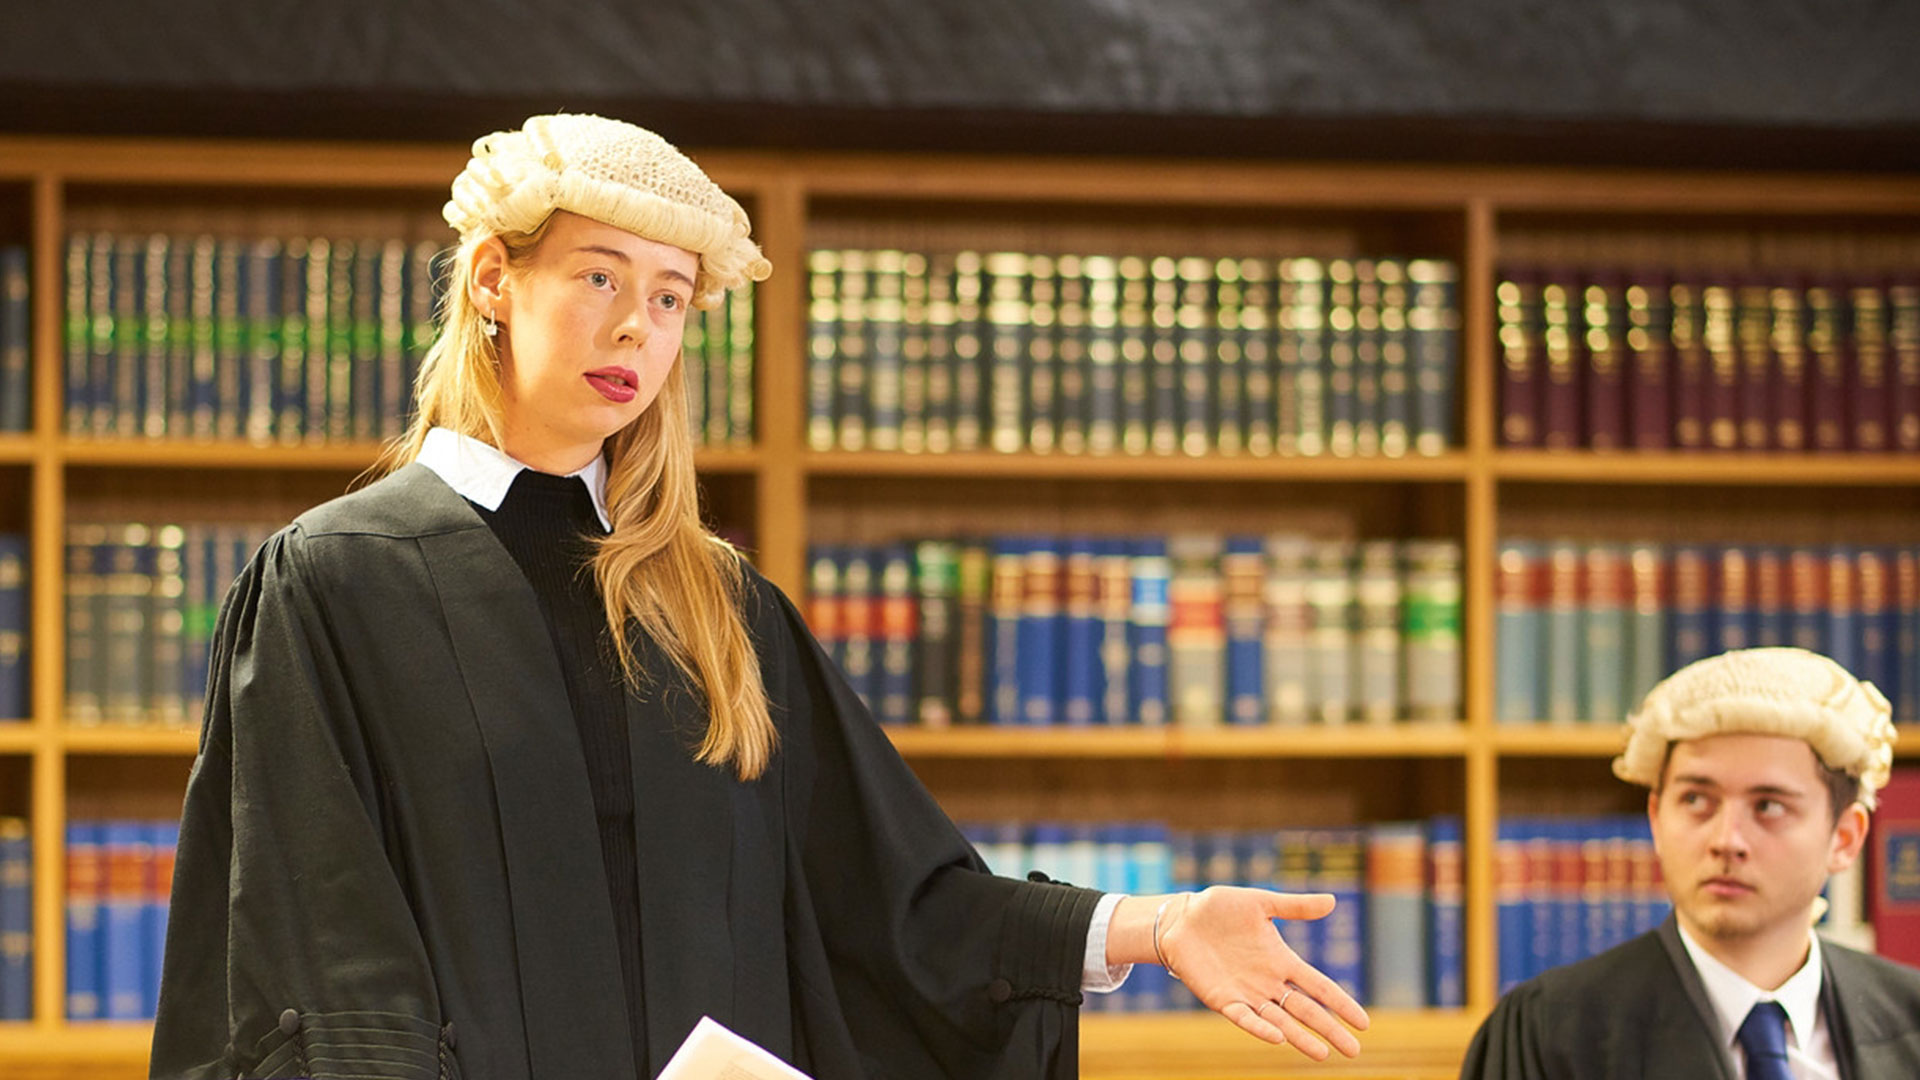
column 1849, row 837
column 487, row 277
column 1653, row 817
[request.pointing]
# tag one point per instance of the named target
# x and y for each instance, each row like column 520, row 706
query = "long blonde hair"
column 659, row 567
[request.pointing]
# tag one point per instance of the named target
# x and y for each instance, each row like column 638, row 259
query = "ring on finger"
column 1283, row 999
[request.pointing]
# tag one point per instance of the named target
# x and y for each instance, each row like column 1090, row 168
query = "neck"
column 1766, row 959
column 559, row 459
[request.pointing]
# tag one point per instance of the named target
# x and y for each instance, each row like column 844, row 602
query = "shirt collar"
column 482, row 473
column 1734, row 997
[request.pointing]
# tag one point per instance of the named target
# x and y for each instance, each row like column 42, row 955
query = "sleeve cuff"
column 1096, row 975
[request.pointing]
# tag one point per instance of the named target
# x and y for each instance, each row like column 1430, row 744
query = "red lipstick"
column 616, row 384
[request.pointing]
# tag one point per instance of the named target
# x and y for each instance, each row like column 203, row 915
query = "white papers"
column 711, row 1052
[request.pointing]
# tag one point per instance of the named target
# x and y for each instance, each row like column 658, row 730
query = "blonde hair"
column 659, row 567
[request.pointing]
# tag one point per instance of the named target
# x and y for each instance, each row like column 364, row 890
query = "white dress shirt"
column 481, row 473
column 1810, row 1053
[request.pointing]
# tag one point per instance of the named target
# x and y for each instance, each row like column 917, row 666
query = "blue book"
column 1041, row 629
column 1005, row 605
column 1433, row 333
column 15, row 681
column 1396, row 936
column 1563, row 838
column 1841, row 637
column 1340, row 869
column 1732, row 603
column 1769, row 618
column 1906, row 706
column 1294, row 860
column 1113, row 592
column 163, row 839
column 86, row 885
column 1153, row 870
column 1513, row 914
column 77, row 338
column 16, row 359
column 1244, row 576
column 123, row 919
column 1689, row 618
column 896, row 606
column 1083, row 683
column 1520, row 654
column 1807, row 598
column 1876, row 623
column 16, row 920
column 1152, row 610
column 1446, row 881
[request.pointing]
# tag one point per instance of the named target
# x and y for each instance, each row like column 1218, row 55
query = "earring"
column 492, row 327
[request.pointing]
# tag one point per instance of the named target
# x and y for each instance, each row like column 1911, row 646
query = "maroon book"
column 1903, row 342
column 1723, row 365
column 1789, row 344
column 1826, row 369
column 1870, row 406
column 1518, row 317
column 1649, row 390
column 1560, row 405
column 1752, row 331
column 1601, row 345
column 1688, row 366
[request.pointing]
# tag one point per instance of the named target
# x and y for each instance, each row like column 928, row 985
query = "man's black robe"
column 1640, row 1010
column 388, row 862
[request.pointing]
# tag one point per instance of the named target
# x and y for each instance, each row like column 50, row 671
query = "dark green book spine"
column 1396, row 360
column 1342, row 401
column 913, row 353
column 153, row 337
column 740, row 374
column 1043, row 355
column 179, row 366
column 1163, row 357
column 1229, row 359
column 885, row 311
column 1256, row 325
column 1071, row 354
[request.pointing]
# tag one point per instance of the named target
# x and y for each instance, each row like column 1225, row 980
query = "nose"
column 632, row 328
column 1728, row 839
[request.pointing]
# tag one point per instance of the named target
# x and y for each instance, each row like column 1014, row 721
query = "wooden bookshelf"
column 785, row 492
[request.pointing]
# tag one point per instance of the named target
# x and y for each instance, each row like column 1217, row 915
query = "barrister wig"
column 1769, row 691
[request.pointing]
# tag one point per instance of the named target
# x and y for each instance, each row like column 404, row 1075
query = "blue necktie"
column 1764, row 1038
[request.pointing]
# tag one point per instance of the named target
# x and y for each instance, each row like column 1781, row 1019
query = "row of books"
column 119, row 879
column 16, row 920
column 1652, row 360
column 296, row 339
column 15, row 680
column 16, row 360
column 1393, row 940
column 1194, row 629
column 1567, row 888
column 1099, row 354
column 1586, row 629
column 141, row 603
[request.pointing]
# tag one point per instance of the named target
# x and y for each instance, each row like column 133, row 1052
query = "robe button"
column 448, row 1035
column 999, row 990
column 289, row 1022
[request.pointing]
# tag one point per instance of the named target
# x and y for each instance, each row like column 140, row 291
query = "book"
column 1377, row 643
column 1561, row 627
column 1395, row 411
column 1072, row 380
column 1520, row 645
column 1040, row 632
column 897, row 631
column 1243, row 577
column 713, row 1052
column 1649, row 349
column 823, row 346
column 1342, row 402
column 1113, row 608
column 1869, row 403
column 885, row 313
column 1722, row 408
column 1893, row 900
column 1289, row 620
column 1006, row 606
column 1827, row 372
column 16, row 683
column 1758, row 366
column 850, row 361
column 1042, row 359
column 86, row 890
column 1446, row 892
column 1396, row 930
column 1606, row 583
column 1163, row 374
column 16, row 920
column 1196, row 630
column 1008, row 300
column 1605, row 355
column 1330, row 637
column 974, row 573
column 1646, row 621
column 1787, row 341
column 1431, row 630
column 1147, row 663
column 1561, row 399
column 1255, row 320
column 16, row 358
column 1081, row 681
column 128, row 856
column 1433, row 333
column 1690, row 371
column 937, row 585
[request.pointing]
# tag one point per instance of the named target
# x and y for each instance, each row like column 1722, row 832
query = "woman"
column 443, row 822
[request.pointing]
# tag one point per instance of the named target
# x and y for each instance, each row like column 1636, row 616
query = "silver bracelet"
column 1157, row 914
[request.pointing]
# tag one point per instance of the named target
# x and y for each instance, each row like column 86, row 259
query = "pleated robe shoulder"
column 389, row 864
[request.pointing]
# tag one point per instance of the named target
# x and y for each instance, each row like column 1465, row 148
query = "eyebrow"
column 1775, row 790
column 625, row 259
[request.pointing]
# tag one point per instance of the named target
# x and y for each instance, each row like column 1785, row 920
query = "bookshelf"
column 787, row 495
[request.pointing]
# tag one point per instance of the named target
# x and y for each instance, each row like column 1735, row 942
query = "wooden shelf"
column 17, row 449
column 1760, row 470
column 163, row 453
column 1143, row 467
column 1263, row 742
column 18, row 737
column 111, row 741
column 1202, row 1045
column 1543, row 740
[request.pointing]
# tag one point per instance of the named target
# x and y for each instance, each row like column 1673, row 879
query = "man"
column 1763, row 764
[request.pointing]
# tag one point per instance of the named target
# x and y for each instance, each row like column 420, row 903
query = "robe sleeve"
column 938, row 967
column 1509, row 1044
column 291, row 950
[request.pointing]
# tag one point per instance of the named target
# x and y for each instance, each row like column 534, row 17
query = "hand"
column 1222, row 943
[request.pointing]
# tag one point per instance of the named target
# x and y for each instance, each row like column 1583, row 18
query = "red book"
column 1604, row 349
column 1732, row 599
column 1650, row 415
column 1903, row 342
column 1723, row 364
column 1518, row 297
column 1560, row 404
column 1789, row 345
column 1688, row 366
column 1893, row 897
column 1753, row 331
column 1867, row 345
column 1827, row 369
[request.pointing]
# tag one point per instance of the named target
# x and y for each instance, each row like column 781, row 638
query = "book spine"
column 427, row 282
column 974, row 566
column 199, row 612
column 1255, row 320
column 1104, row 362
column 1513, row 915
column 1196, row 630
column 86, row 889
column 1113, row 607
column 898, row 631
column 1731, row 605
column 394, row 387
column 1446, row 900
column 1723, row 364
column 1596, row 911
column 1147, row 669
column 129, row 334
column 16, row 359
column 1691, row 369
column 1163, row 357
column 937, row 582
column 1806, row 599
column 970, row 354
column 1893, row 904
column 914, row 300
column 1330, row 597
column 1297, row 358
column 342, row 258
column 859, row 620
column 77, row 340
column 1768, row 619
column 1082, row 689
column 1193, row 338
column 1433, row 324
column 1431, row 630
column 1649, row 358
column 1605, row 355
column 1339, row 867
column 83, row 586
column 1841, row 639
column 740, row 355
column 163, row 840
column 1869, row 411
column 940, row 353
column 1377, row 645
column 1561, row 405
column 1005, row 606
column 262, row 337
column 885, row 311
column 1009, row 309
column 1229, row 433
column 229, row 338
column 363, row 358
column 1606, row 583
column 1042, row 360
column 126, row 595
column 1903, row 343
column 1073, row 334
column 1342, row 340
column 1689, row 626
column 1827, row 394
column 1520, row 655
column 16, row 920
column 1561, row 623
column 1522, row 362
column 850, row 360
column 123, row 918
column 1647, row 621
column 1289, row 620
column 15, row 683
column 1397, row 946
column 319, row 330
column 1787, row 341
column 1243, row 577
column 100, row 335
column 1040, row 632
column 1875, row 660
column 1396, row 403
column 1759, row 370
column 167, row 692
column 824, row 602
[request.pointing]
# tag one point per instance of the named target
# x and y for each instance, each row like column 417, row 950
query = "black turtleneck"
column 547, row 524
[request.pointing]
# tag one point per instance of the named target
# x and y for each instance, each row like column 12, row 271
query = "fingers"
column 1249, row 1020
column 1308, row 1025
column 1298, row 905
column 1327, row 996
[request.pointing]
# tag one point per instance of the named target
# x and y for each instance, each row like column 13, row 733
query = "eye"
column 670, row 301
column 599, row 279
column 1770, row 808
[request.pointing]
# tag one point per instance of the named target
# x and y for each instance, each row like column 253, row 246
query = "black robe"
column 1640, row 1010
column 388, row 862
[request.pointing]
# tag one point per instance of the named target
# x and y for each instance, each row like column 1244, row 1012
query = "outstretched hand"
column 1222, row 943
